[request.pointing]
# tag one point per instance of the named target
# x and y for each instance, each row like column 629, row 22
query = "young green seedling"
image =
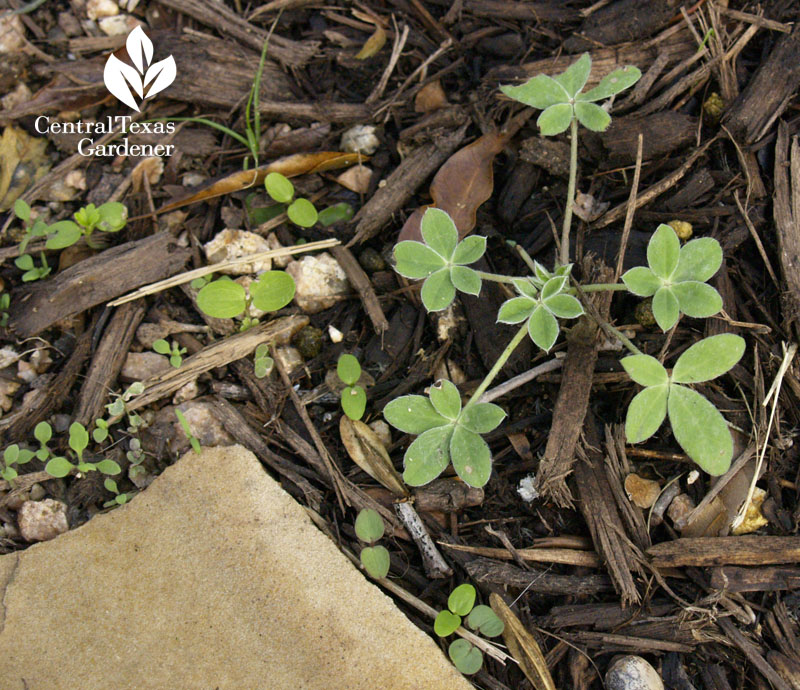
column 110, row 217
column 226, row 299
column 262, row 362
column 14, row 455
column 31, row 270
column 119, row 498
column 676, row 278
column 354, row 398
column 174, row 351
column 5, row 304
column 461, row 603
column 369, row 528
column 188, row 431
column 60, row 466
column 300, row 211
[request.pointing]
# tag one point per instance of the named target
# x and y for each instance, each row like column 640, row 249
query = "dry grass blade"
column 189, row 276
column 523, row 646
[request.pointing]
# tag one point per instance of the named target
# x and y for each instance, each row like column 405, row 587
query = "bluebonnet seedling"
column 354, row 398
column 369, row 528
column 676, row 277
column 460, row 604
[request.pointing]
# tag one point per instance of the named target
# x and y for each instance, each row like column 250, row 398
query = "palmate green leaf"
column 413, row 414
column 471, row 457
column 564, row 306
column 462, row 599
column 700, row 430
column 698, row 300
column 439, row 232
column 646, row 413
column 541, row 272
column 485, row 621
column 592, row 116
column 666, row 308
column 348, row 369
column 428, row 456
column 446, row 399
column 469, row 250
column 446, row 623
column 279, row 187
column 611, row 84
column 543, row 328
column 369, row 525
column 415, row 260
column 709, row 358
column 538, row 92
column 641, row 281
column 574, row 78
column 376, row 561
column 302, row 212
column 482, row 417
column 516, row 310
column 645, row 370
column 465, row 279
column 466, row 657
column 64, row 234
column 354, row 401
column 555, row 119
column 438, row 290
column 553, row 286
column 699, row 260
column 525, row 287
column 272, row 291
column 663, row 251
column 222, row 299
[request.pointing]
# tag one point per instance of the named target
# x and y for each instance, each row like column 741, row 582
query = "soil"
column 707, row 137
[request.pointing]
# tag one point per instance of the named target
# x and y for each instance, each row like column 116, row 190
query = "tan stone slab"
column 214, row 577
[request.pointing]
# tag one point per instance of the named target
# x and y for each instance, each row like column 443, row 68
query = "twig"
column 520, row 380
column 433, row 561
column 397, row 49
column 626, row 229
column 189, row 276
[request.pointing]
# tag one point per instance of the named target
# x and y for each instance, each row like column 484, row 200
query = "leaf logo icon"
column 144, row 80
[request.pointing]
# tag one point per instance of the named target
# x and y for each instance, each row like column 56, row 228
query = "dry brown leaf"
column 356, row 179
column 643, row 492
column 367, row 451
column 462, row 184
column 430, row 97
column 290, row 166
column 372, row 45
column 22, row 162
column 523, row 646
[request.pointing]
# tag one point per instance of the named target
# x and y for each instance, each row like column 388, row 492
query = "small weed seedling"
column 174, row 351
column 676, row 278
column 188, row 431
column 14, row 455
column 5, row 304
column 119, row 498
column 370, row 528
column 60, row 466
column 300, row 211
column 226, row 299
column 31, row 270
column 262, row 362
column 117, row 409
column 461, row 603
column 354, row 398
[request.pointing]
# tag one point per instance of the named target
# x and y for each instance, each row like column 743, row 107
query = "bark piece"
column 706, row 551
column 768, row 579
column 547, row 153
column 767, row 94
column 403, row 182
column 786, row 212
column 90, row 282
column 107, row 361
column 535, row 581
column 753, row 653
column 598, row 507
column 661, row 132
column 573, row 397
column 360, row 281
column 217, row 354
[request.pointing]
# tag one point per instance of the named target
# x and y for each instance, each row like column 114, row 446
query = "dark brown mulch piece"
column 767, row 579
column 758, row 549
column 533, row 580
column 360, row 281
column 107, row 361
column 93, row 281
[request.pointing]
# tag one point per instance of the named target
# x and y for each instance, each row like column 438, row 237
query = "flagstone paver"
column 213, row 577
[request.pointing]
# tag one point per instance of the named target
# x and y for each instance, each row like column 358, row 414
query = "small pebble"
column 42, row 520
column 308, row 342
column 371, row 260
column 320, row 282
column 632, row 673
column 360, row 139
column 234, row 244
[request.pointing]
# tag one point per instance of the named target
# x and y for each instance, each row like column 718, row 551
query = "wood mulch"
column 710, row 135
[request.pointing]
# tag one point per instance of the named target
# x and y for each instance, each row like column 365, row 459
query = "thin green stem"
column 621, row 336
column 573, row 173
column 501, row 360
column 525, row 257
column 602, row 287
column 496, row 277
